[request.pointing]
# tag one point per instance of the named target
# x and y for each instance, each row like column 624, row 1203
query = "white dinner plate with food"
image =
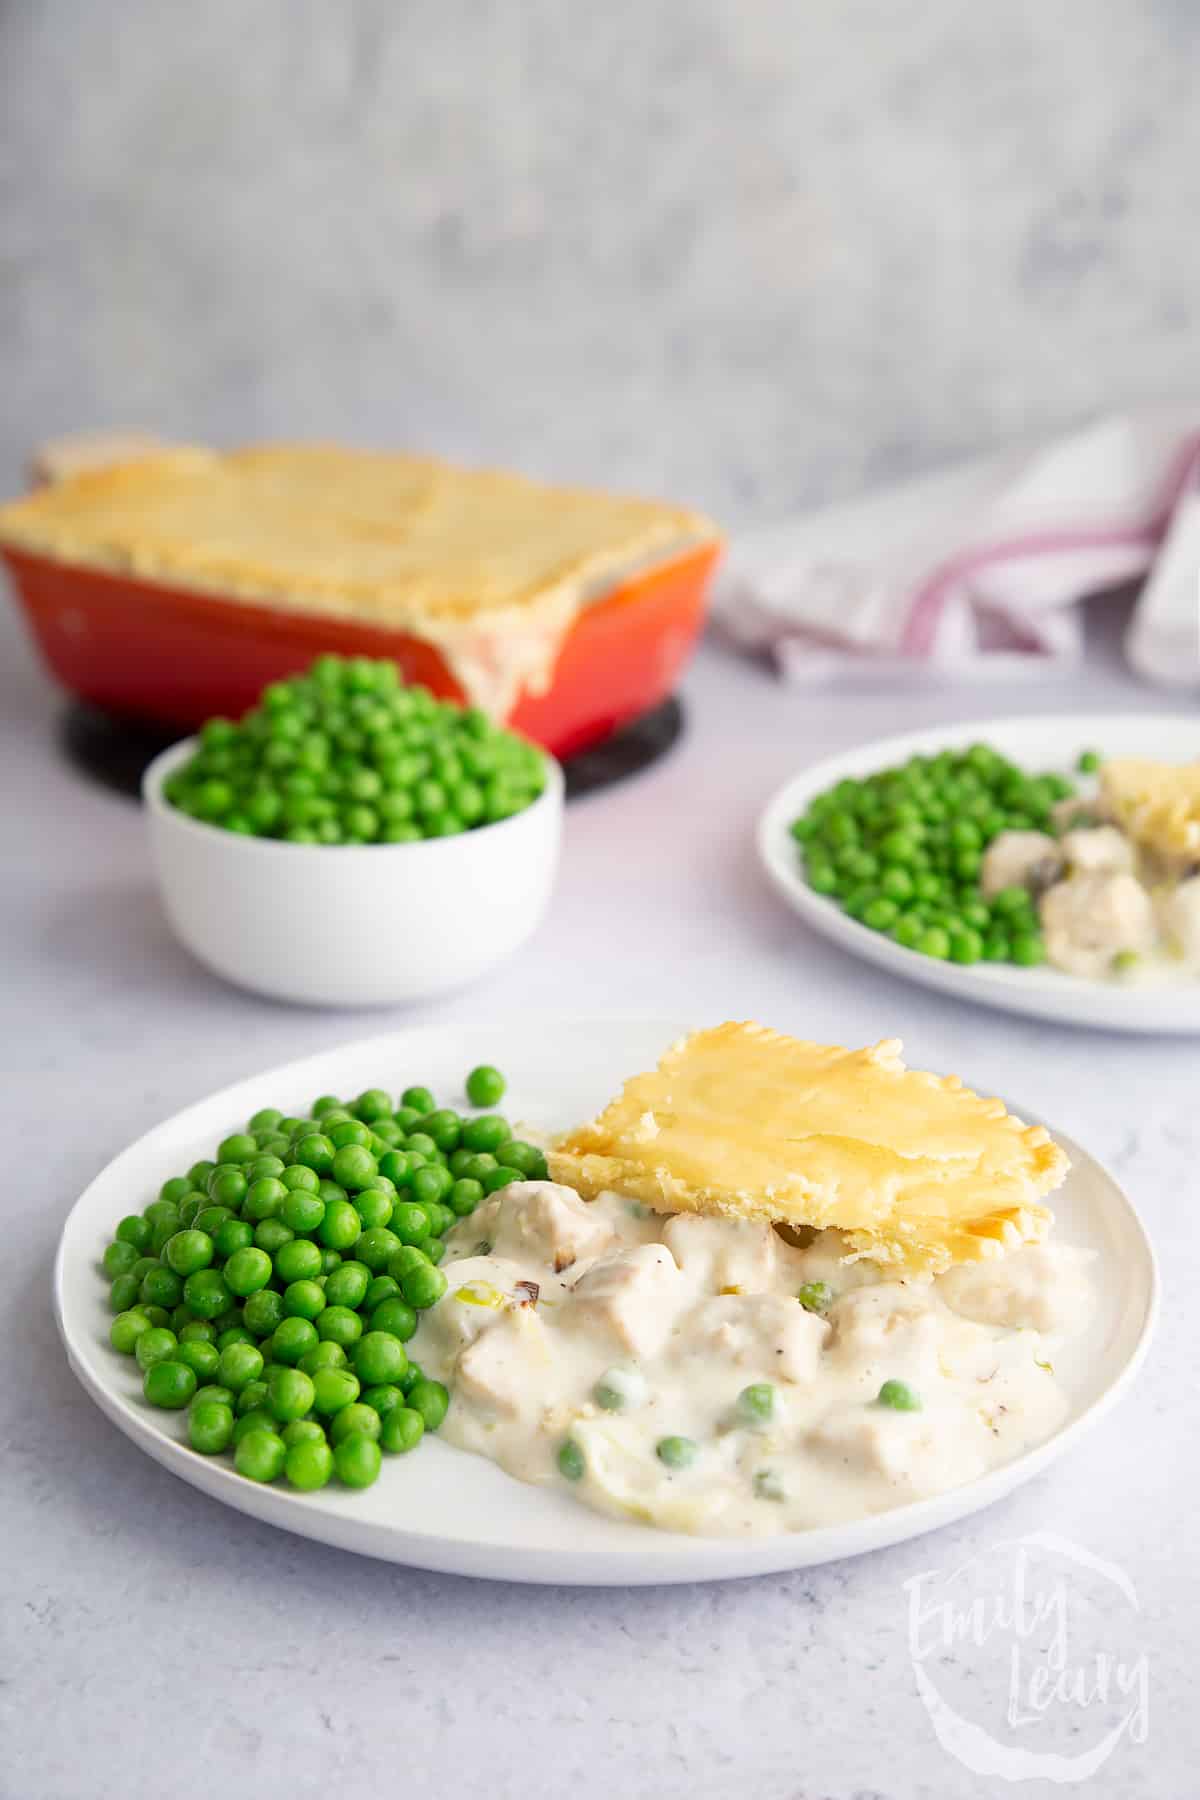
column 1147, row 982
column 443, row 1507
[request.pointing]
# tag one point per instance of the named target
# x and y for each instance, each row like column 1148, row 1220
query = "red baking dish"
column 176, row 656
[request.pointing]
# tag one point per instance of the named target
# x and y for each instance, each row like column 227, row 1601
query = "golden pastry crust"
column 1156, row 803
column 388, row 539
column 915, row 1169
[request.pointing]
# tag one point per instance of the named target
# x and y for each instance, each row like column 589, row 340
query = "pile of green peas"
column 271, row 1291
column 901, row 851
column 346, row 754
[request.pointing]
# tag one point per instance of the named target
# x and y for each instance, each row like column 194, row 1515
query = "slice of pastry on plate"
column 1157, row 804
column 741, row 1121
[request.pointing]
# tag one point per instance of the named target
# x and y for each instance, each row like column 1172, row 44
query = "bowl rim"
column 156, row 772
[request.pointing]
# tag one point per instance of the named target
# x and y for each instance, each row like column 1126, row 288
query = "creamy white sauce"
column 1108, row 911
column 611, row 1328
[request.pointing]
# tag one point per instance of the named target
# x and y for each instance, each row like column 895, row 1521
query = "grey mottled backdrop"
column 750, row 252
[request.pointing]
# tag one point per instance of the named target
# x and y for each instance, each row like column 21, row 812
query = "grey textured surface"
column 752, row 254
column 157, row 1645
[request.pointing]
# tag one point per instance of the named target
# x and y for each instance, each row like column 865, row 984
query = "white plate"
column 445, row 1509
column 1041, row 746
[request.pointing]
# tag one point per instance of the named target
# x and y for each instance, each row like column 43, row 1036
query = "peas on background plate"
column 268, row 1294
column 901, row 851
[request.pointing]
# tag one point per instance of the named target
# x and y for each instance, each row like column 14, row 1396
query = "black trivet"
column 115, row 750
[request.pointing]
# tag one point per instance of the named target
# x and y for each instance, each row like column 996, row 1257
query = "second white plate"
column 1041, row 746
column 444, row 1509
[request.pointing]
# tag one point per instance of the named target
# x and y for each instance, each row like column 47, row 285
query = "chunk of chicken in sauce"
column 1099, row 850
column 1020, row 859
column 1181, row 921
column 1089, row 920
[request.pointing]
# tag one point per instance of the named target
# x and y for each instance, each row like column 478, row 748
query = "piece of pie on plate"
column 916, row 1170
column 1157, row 804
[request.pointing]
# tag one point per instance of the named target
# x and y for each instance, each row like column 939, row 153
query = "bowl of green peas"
column 352, row 841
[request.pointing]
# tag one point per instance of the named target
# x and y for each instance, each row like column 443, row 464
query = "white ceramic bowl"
column 354, row 924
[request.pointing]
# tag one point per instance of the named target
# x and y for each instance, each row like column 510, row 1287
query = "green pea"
column 378, row 1358
column 314, row 1151
column 486, row 1133
column 210, row 1428
column 348, row 1285
column 419, row 1099
column 430, row 1399
column 816, row 1296
column 570, row 1459
column 303, row 1300
column 348, row 1131
column 303, row 1431
column 1010, row 902
column 239, row 1365
column 125, row 1293
column 756, row 1403
column 899, row 1396
column 199, row 1331
column 375, row 1248
column 292, row 1337
column 201, row 1359
column 354, row 1167
column 339, row 1325
column 500, row 1177
column 401, row 1431
column 169, row 1384
column 464, row 1196
column 309, row 1464
column 209, row 1219
column 233, row 1334
column 231, row 1236
column 252, row 1401
column 677, row 1452
column 422, row 1286
column 340, row 1227
column 213, row 1392
column 154, row 1346
column 260, row 1455
column 297, row 1176
column 290, row 1394
column 354, row 1420
column 323, row 1355
column 135, row 1230
column 126, row 1329
column 374, row 1207
column 334, row 1389
column 236, row 1148
column 227, row 1186
column 297, row 1260
column 1028, row 949
column 247, row 1271
column 1088, row 762
column 173, row 1191
column 357, row 1459
column 263, row 1312
column 188, row 1252
column 381, row 1288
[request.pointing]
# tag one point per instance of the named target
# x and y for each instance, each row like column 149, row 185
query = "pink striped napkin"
column 979, row 572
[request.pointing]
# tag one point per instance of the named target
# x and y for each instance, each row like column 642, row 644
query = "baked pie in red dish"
column 175, row 584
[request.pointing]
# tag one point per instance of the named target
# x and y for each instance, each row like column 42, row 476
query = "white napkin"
column 978, row 573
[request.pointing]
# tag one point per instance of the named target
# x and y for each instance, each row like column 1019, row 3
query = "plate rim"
column 1038, row 993
column 676, row 1557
